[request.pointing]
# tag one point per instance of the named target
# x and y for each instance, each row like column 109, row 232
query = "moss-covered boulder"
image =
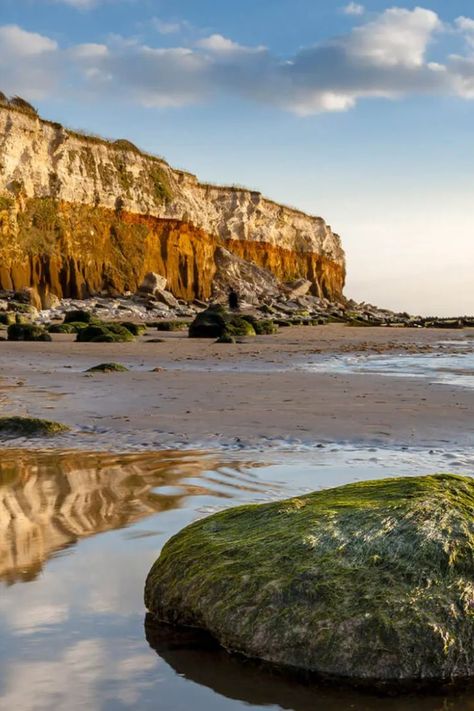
column 371, row 582
column 27, row 332
column 108, row 368
column 62, row 328
column 216, row 322
column 30, row 427
column 136, row 329
column 104, row 333
column 77, row 315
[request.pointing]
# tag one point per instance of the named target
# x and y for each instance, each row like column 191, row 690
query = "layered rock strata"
column 81, row 215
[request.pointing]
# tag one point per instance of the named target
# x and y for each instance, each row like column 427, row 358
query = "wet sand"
column 183, row 392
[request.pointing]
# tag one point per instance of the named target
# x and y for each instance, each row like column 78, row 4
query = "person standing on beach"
column 233, row 300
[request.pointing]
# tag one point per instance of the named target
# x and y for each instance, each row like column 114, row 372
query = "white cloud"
column 396, row 37
column 17, row 42
column 353, row 8
column 166, row 28
column 385, row 57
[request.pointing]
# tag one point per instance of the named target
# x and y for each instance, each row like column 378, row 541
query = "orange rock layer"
column 75, row 250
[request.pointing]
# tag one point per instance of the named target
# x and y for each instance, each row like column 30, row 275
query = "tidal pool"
column 79, row 532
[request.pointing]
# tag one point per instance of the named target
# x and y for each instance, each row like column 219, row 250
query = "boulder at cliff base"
column 372, row 582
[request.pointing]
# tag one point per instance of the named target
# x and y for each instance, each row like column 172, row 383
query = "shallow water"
column 453, row 368
column 79, row 532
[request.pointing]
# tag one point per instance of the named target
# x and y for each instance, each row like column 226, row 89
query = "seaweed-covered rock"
column 27, row 332
column 371, row 582
column 136, row 329
column 215, row 322
column 77, row 315
column 171, row 325
column 104, row 333
column 62, row 328
column 108, row 368
column 29, row 427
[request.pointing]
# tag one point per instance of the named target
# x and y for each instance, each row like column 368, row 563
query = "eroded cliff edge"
column 80, row 215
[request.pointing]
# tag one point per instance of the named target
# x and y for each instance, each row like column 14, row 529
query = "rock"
column 216, row 322
column 252, row 283
column 299, row 287
column 30, row 427
column 29, row 295
column 151, row 282
column 371, row 582
column 166, row 297
column 108, row 368
column 27, row 332
column 50, row 301
column 104, row 333
column 77, row 315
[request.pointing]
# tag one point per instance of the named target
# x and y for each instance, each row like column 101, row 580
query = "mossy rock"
column 7, row 318
column 136, row 329
column 27, row 332
column 171, row 325
column 20, row 308
column 215, row 322
column 104, row 333
column 226, row 338
column 265, row 327
column 372, row 582
column 77, row 315
column 62, row 328
column 30, row 427
column 108, row 368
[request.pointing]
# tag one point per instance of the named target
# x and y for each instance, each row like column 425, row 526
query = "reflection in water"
column 72, row 637
column 48, row 501
column 198, row 658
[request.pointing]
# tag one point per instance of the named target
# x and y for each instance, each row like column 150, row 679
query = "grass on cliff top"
column 365, row 580
column 30, row 427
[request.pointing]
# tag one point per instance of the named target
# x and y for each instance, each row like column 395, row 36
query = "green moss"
column 160, row 184
column 30, row 427
column 215, row 322
column 226, row 338
column 27, row 332
column 171, row 325
column 136, row 329
column 262, row 327
column 7, row 318
column 62, row 328
column 104, row 333
column 78, row 315
column 108, row 368
column 372, row 581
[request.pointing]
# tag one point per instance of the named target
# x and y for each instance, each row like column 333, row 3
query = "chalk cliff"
column 80, row 215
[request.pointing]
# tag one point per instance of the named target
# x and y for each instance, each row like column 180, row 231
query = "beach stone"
column 50, row 301
column 29, row 295
column 216, row 322
column 151, row 282
column 297, row 288
column 166, row 297
column 372, row 582
column 251, row 282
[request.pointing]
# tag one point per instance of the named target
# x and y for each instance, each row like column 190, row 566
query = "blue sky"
column 361, row 113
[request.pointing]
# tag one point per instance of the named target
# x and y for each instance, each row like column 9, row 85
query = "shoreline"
column 194, row 394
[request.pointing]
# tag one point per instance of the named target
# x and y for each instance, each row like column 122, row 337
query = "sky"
column 361, row 113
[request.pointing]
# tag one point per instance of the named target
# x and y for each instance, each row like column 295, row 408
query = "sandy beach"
column 184, row 392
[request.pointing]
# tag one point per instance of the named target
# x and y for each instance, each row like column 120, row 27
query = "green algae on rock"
column 371, row 582
column 104, row 332
column 27, row 332
column 30, row 427
column 108, row 368
column 215, row 322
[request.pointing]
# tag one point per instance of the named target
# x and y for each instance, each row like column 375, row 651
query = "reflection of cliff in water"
column 195, row 656
column 48, row 501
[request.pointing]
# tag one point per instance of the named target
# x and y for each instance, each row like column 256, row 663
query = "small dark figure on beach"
column 233, row 299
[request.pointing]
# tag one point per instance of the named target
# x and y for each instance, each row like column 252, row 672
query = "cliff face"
column 79, row 215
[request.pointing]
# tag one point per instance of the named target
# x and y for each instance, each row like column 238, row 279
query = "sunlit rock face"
column 80, row 215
